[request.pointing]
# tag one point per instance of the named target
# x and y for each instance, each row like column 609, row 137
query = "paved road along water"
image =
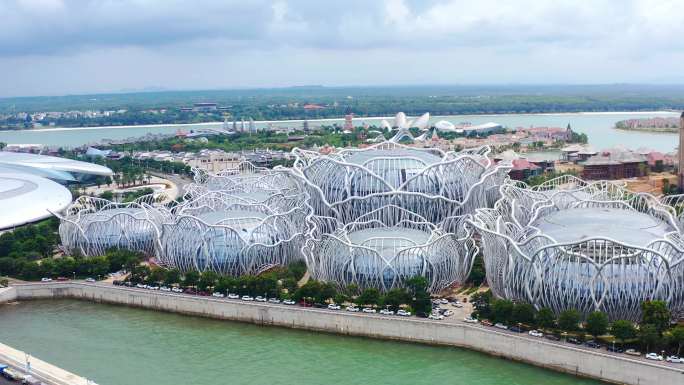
column 117, row 345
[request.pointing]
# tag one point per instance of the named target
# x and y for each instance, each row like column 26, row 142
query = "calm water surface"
column 598, row 126
column 118, row 345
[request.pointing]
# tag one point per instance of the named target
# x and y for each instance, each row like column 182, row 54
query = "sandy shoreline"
column 361, row 119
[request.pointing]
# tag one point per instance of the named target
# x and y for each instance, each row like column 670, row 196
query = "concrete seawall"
column 559, row 357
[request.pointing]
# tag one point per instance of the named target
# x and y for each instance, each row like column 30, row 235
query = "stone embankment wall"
column 560, row 357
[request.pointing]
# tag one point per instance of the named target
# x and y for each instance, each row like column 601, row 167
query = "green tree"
column 623, row 330
column 523, row 313
column 502, row 311
column 597, row 324
column 482, row 304
column 421, row 302
column 677, row 337
column 394, row 298
column 649, row 336
column 173, row 276
column 655, row 313
column 308, row 292
column 370, row 296
column 156, row 275
column 190, row 278
column 545, row 318
column 477, row 273
column 568, row 320
column 207, row 280
column 108, row 195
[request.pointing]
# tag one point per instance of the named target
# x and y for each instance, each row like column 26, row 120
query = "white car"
column 218, row 295
column 260, row 299
column 403, row 313
column 458, row 304
column 654, row 356
column 500, row 326
column 153, row 287
column 353, row 309
column 289, row 302
column 334, row 306
column 436, row 316
column 247, row 298
column 448, row 313
column 90, row 279
column 444, row 301
column 176, row 290
column 233, row 296
column 675, row 359
column 368, row 310
column 386, row 312
column 141, row 286
column 535, row 333
column 273, row 300
column 470, row 320
column 46, row 280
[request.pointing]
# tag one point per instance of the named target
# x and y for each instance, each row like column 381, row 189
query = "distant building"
column 348, row 123
column 615, row 164
column 204, row 107
column 680, row 165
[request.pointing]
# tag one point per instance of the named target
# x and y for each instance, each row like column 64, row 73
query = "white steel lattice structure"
column 237, row 222
column 386, row 247
column 382, row 214
column 253, row 183
column 571, row 244
column 91, row 226
column 438, row 186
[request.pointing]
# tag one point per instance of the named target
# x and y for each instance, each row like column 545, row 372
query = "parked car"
column 501, row 326
column 353, row 309
column 260, row 299
column 458, row 304
column 444, row 301
column 574, row 340
column 448, row 313
column 592, row 344
column 247, row 298
column 90, row 280
column 289, row 302
column 403, row 313
column 153, row 287
column 165, row 288
column 535, row 333
column 218, row 295
column 552, row 337
column 334, row 306
column 368, row 310
column 486, row 322
column 176, row 290
column 515, row 329
column 436, row 316
column 675, row 359
column 274, row 300
column 470, row 320
column 233, row 296
column 45, row 279
column 141, row 286
column 386, row 312
column 615, row 349
column 632, row 352
column 654, row 356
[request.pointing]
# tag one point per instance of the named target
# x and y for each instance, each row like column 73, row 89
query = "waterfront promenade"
column 556, row 356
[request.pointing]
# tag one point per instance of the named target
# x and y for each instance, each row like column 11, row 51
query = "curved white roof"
column 48, row 166
column 444, row 125
column 26, row 198
column 422, row 121
column 400, row 120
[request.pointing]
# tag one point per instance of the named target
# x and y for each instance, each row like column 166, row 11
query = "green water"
column 117, row 345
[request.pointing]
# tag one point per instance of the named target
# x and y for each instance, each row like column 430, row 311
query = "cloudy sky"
column 52, row 47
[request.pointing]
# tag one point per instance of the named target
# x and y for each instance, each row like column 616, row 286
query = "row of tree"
column 654, row 330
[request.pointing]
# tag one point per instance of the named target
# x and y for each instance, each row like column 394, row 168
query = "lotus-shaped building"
column 238, row 222
column 382, row 214
column 435, row 185
column 386, row 247
column 569, row 244
column 90, row 226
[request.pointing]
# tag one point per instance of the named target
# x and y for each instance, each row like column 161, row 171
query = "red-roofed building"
column 312, row 106
column 523, row 169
